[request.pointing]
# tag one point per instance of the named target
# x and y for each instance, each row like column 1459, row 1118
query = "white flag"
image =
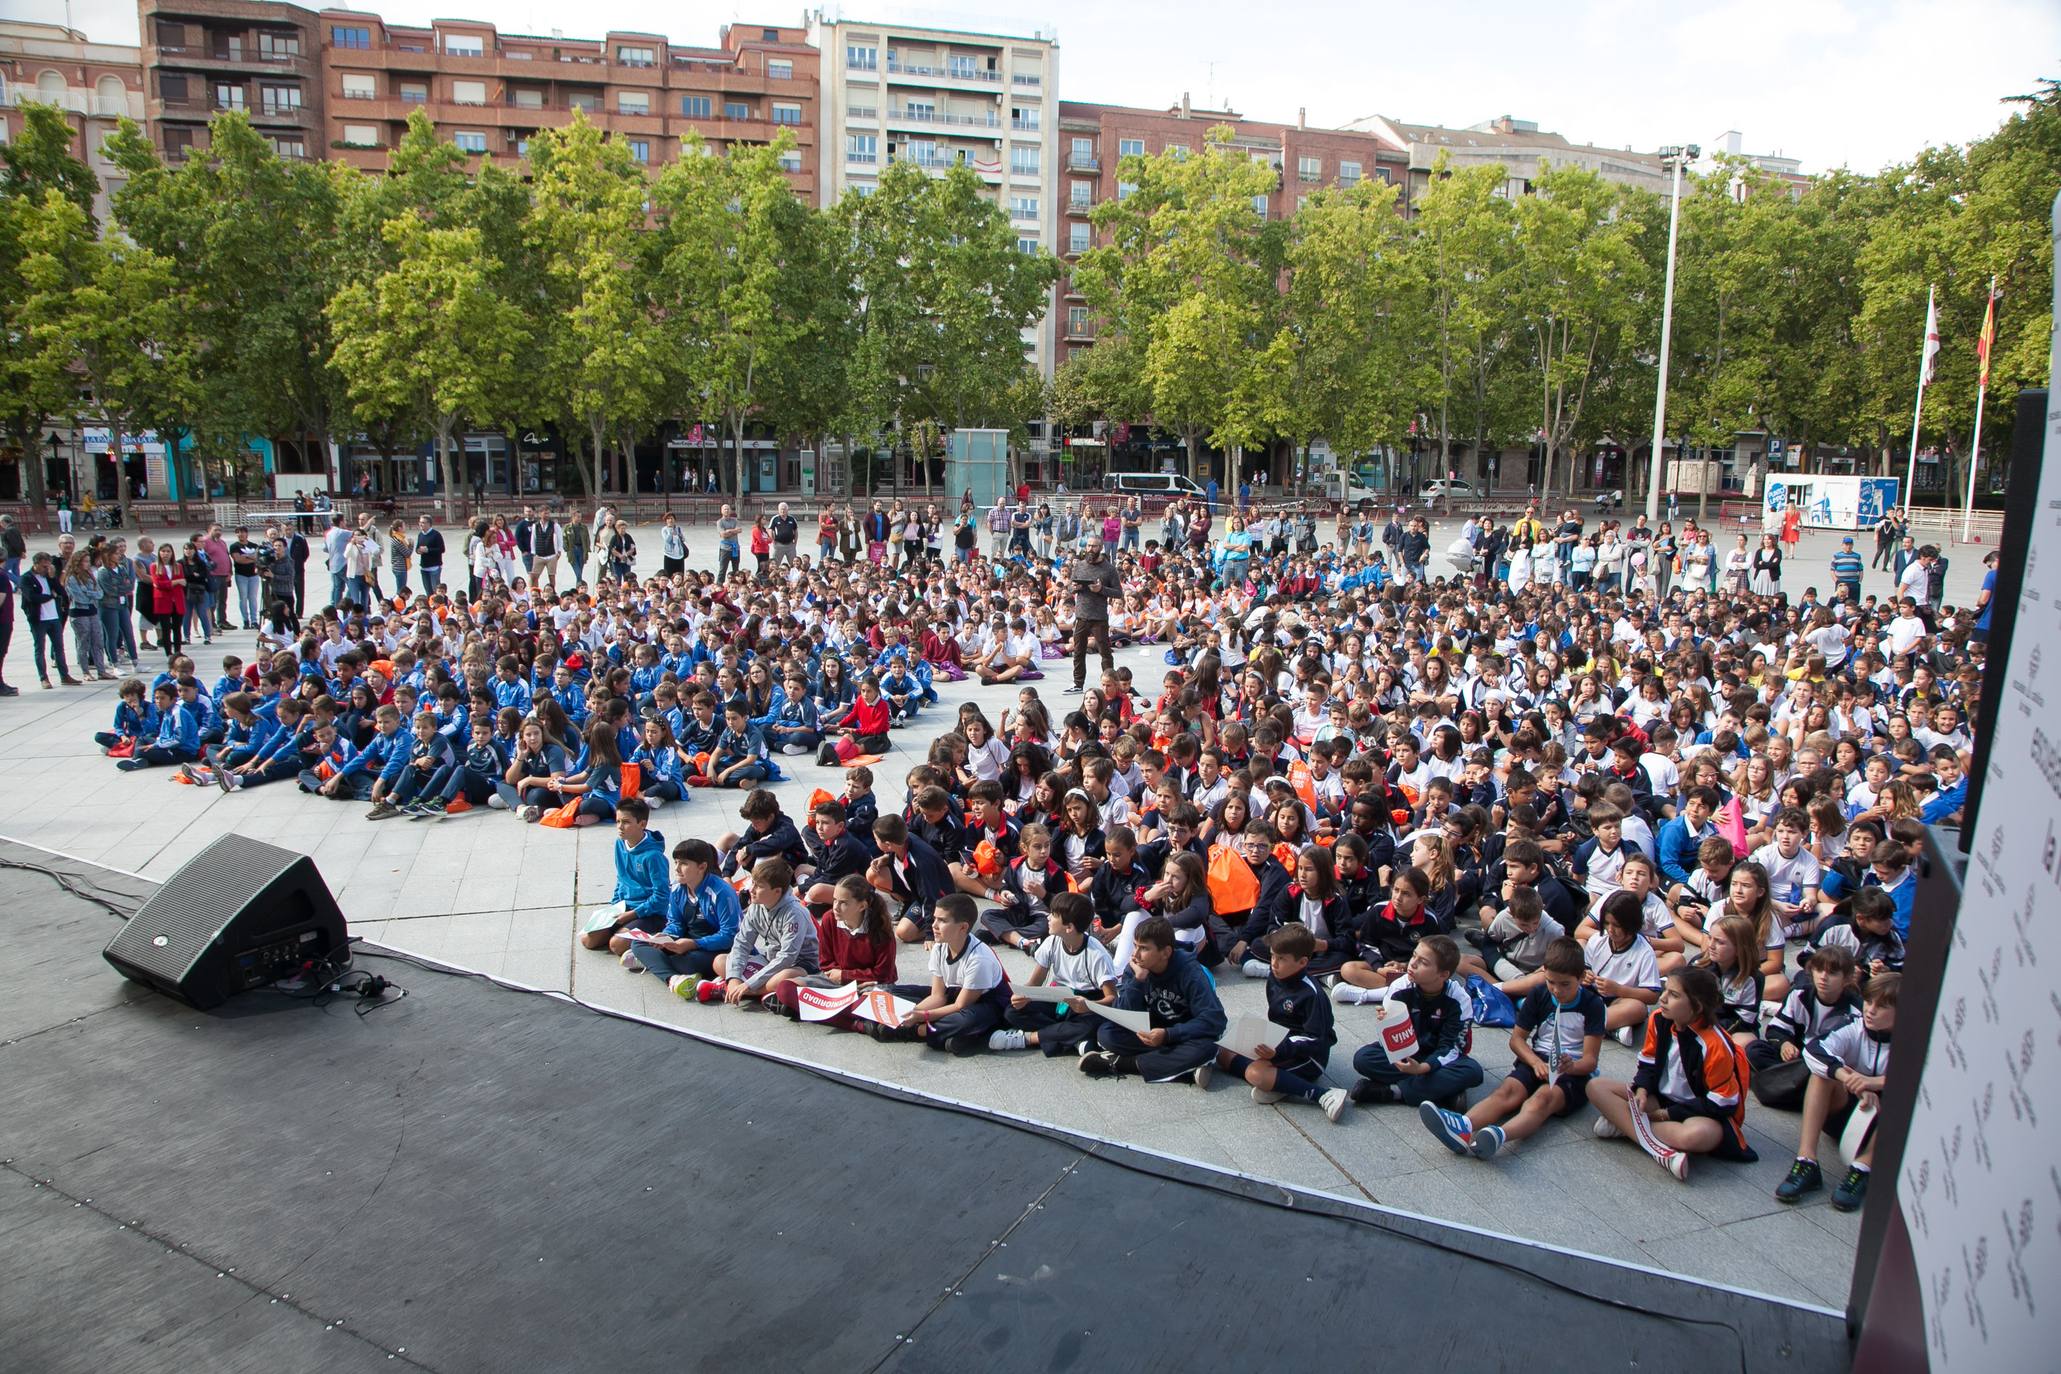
column 1929, row 362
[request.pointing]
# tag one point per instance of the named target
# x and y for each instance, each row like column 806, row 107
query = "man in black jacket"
column 1094, row 582
column 297, row 550
column 46, row 606
column 429, row 554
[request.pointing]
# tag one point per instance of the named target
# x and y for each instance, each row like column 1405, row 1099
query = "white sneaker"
column 498, row 802
column 1606, row 1129
column 1335, row 1102
column 795, row 749
column 1676, row 1162
column 1255, row 968
column 1007, row 1040
column 1266, row 1097
column 1627, row 1036
column 1346, row 995
column 530, row 813
column 1204, row 1074
column 629, row 961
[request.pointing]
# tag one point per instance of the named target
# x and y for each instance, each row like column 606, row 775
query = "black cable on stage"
column 65, row 882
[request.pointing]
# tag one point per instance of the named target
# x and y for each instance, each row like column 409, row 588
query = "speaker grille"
column 199, row 900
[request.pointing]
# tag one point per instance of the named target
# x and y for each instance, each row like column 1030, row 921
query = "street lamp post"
column 1674, row 156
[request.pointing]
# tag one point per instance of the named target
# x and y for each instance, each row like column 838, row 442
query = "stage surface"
column 475, row 1178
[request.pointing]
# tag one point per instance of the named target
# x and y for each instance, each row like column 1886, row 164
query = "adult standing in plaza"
column 1885, row 540
column 523, row 529
column 998, row 530
column 7, row 567
column 400, row 555
column 826, row 535
column 727, row 557
column 429, row 554
column 46, row 608
column 1847, row 569
column 547, row 538
column 334, row 543
column 786, row 535
column 13, row 546
column 672, row 547
column 220, row 570
column 577, row 546
column 1094, row 580
column 117, row 581
column 244, row 554
column 1133, row 518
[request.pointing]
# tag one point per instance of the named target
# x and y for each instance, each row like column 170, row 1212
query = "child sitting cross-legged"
column 1176, row 993
column 702, row 916
column 775, row 943
column 1295, row 1067
column 855, row 943
column 1688, row 1096
column 641, row 892
column 1069, row 957
column 968, row 990
column 1558, row 1037
column 1439, row 1071
column 1622, row 968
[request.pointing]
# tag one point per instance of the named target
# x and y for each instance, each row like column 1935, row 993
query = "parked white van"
column 1167, row 486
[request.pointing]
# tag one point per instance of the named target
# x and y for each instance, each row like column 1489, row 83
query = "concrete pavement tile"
column 1809, row 1254
column 1720, row 1257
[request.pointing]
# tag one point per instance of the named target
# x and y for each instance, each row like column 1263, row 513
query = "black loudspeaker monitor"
column 238, row 915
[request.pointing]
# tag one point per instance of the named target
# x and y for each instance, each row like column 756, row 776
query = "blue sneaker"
column 1487, row 1141
column 1449, row 1127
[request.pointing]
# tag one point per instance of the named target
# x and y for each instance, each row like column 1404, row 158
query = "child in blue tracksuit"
column 702, row 915
column 1177, row 994
column 739, row 757
column 660, row 771
column 643, row 887
column 373, row 771
column 904, row 694
column 508, row 687
column 792, row 728
column 331, row 752
column 1295, row 1067
column 178, row 734
column 279, row 757
column 247, row 732
column 135, row 719
column 1439, row 1070
column 431, row 764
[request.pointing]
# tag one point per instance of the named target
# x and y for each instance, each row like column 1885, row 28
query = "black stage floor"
column 475, row 1178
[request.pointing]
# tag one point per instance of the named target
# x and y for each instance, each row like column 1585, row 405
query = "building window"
column 414, row 93
column 640, row 149
column 171, row 86
column 861, row 148
column 1027, row 245
column 1126, row 189
column 779, row 69
column 171, row 37
column 587, row 102
column 863, row 56
column 923, row 152
column 1082, row 156
column 522, row 147
column 1077, row 238
column 464, row 44
column 1023, row 162
column 1259, row 206
column 275, row 46
column 280, row 99
column 360, row 136
column 228, row 97
column 1080, row 194
column 633, row 102
column 635, row 57
column 1077, row 320
column 737, row 109
column 786, row 114
column 694, row 106
column 862, row 188
column 342, row 37
column 290, row 147
column 1023, row 117
column 359, row 86
column 769, row 35
column 790, row 161
column 1387, row 176
column 1178, row 151
column 1024, row 208
column 468, row 92
column 1348, row 174
column 1130, row 147
column 962, row 68
column 528, row 99
column 470, row 142
column 1309, row 168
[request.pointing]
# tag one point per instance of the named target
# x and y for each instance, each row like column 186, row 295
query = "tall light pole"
column 1674, row 156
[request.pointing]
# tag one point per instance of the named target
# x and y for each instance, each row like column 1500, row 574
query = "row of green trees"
column 240, row 294
column 1484, row 320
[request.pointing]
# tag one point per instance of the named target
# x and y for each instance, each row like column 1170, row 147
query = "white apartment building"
column 936, row 97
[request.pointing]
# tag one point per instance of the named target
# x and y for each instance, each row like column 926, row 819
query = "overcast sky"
column 1858, row 83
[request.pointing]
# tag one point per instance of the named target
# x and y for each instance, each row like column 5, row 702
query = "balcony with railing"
column 951, row 71
column 913, row 115
column 1079, row 204
column 1077, row 162
column 866, row 112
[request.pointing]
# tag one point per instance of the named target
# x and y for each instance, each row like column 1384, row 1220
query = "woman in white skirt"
column 1767, row 566
column 1736, row 561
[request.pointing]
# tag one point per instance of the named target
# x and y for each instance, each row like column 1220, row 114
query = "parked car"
column 1440, row 490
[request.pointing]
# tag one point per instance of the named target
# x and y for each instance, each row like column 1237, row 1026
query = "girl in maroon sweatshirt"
column 855, row 942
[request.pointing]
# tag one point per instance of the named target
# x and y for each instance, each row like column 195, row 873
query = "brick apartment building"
column 342, row 83
column 95, row 84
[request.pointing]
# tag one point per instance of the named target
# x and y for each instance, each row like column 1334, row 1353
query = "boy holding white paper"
column 963, row 1002
column 1072, row 961
column 1433, row 1068
column 1174, row 993
column 1285, row 1065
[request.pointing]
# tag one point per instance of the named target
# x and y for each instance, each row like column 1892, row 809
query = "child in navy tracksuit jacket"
column 1296, row 1066
column 135, row 719
column 1439, row 1070
column 1177, row 993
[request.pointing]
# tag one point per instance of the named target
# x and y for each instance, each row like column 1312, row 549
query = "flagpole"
column 1918, row 410
column 1981, row 391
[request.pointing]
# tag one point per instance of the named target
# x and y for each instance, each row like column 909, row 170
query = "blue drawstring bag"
column 1492, row 1006
column 1173, row 658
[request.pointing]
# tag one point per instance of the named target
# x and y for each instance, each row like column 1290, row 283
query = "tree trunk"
column 446, row 473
